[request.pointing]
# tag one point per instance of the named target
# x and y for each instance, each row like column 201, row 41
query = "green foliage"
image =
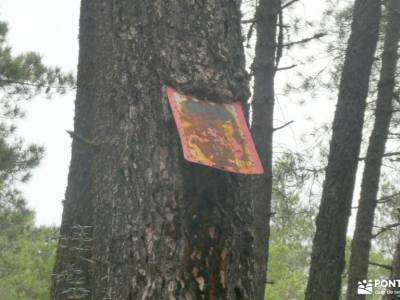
column 292, row 230
column 22, row 77
column 287, row 267
column 374, row 272
column 26, row 252
column 16, row 160
column 291, row 233
column 388, row 214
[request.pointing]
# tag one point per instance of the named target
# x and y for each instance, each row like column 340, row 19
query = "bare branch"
column 306, row 40
column 384, row 229
column 286, row 68
column 250, row 33
column 391, row 154
column 283, row 126
column 287, row 4
column 388, row 154
column 254, row 20
column 387, row 198
column 380, row 265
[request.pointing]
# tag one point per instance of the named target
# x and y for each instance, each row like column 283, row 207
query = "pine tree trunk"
column 395, row 274
column 139, row 222
column 361, row 244
column 327, row 260
column 260, row 188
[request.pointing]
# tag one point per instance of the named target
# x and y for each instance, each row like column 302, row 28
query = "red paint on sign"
column 214, row 134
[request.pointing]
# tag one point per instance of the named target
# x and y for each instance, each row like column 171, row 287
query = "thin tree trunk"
column 260, row 189
column 140, row 222
column 327, row 260
column 395, row 275
column 361, row 244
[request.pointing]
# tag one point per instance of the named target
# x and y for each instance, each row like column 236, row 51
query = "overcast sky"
column 50, row 27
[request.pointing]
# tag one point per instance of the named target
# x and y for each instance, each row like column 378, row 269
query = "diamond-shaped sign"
column 214, row 134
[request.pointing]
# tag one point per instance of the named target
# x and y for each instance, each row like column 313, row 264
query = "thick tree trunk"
column 327, row 260
column 260, row 188
column 361, row 244
column 140, row 222
column 395, row 275
column 71, row 271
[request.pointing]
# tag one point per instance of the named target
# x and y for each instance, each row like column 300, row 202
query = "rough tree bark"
column 327, row 259
column 139, row 222
column 260, row 187
column 361, row 244
column 395, row 274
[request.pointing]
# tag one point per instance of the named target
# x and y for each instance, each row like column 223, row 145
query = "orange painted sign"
column 214, row 134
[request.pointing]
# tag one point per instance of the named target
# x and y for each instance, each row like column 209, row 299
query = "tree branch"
column 286, row 68
column 283, row 126
column 388, row 154
column 384, row 229
column 287, row 4
column 254, row 20
column 27, row 83
column 389, row 7
column 37, row 85
column 82, row 139
column 250, row 32
column 380, row 265
column 396, row 97
column 387, row 198
column 391, row 154
column 279, row 47
column 306, row 40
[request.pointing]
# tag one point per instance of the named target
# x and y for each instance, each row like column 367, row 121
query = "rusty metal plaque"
column 214, row 134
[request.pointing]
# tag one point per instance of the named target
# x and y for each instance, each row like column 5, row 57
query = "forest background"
column 306, row 90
